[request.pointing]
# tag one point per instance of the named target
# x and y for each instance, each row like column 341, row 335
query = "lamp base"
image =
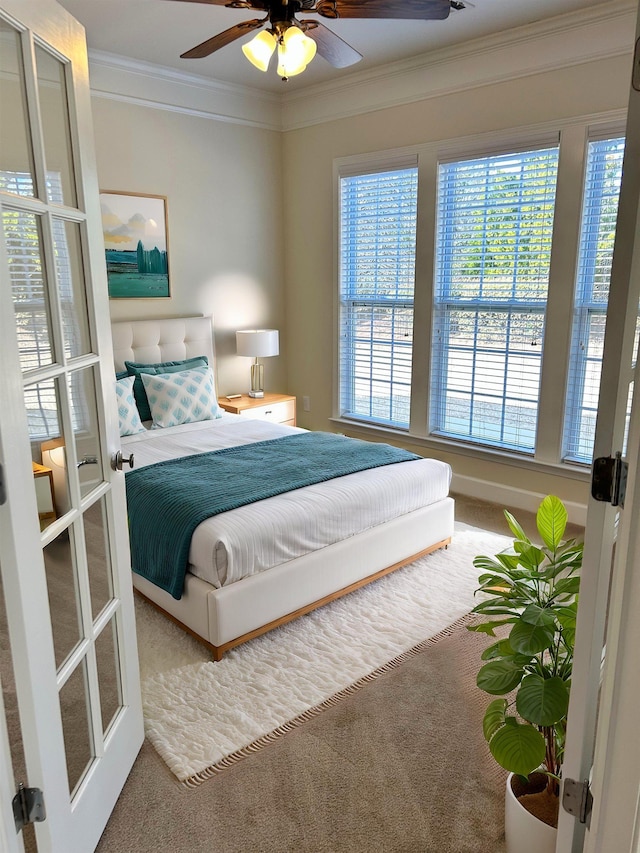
column 257, row 380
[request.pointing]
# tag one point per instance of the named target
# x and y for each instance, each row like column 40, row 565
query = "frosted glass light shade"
column 295, row 52
column 257, row 342
column 260, row 49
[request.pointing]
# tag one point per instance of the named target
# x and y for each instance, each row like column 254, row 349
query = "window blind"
column 377, row 241
column 493, row 249
column 597, row 235
column 23, row 239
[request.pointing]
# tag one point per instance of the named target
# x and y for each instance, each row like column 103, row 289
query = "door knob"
column 118, row 460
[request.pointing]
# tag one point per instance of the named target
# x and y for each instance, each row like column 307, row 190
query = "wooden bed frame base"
column 218, row 651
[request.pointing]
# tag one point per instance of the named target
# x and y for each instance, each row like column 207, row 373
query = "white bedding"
column 248, row 540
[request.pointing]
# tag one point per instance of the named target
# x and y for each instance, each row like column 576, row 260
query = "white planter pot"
column 524, row 833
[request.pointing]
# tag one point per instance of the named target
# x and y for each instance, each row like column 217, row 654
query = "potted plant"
column 530, row 595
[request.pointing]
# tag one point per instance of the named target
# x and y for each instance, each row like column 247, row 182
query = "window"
column 377, row 272
column 598, row 228
column 493, row 250
column 24, row 239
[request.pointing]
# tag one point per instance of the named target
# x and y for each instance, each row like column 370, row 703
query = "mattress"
column 242, row 542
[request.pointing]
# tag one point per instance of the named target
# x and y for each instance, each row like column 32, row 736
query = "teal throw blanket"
column 168, row 500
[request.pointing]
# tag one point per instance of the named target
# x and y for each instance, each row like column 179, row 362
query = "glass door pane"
column 71, row 287
column 24, row 245
column 54, row 111
column 16, row 163
column 84, row 414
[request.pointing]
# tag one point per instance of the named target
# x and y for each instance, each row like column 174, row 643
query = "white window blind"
column 493, row 249
column 598, row 228
column 23, row 239
column 377, row 276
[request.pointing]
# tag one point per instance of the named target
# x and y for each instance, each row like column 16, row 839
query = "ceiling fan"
column 298, row 40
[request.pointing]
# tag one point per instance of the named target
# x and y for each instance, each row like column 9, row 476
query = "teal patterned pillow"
column 181, row 398
column 128, row 416
column 136, row 369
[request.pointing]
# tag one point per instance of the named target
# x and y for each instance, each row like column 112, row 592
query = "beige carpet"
column 400, row 765
column 201, row 716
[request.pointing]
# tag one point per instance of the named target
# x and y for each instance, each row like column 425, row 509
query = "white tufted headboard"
column 153, row 341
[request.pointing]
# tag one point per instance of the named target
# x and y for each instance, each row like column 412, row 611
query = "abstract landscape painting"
column 135, row 239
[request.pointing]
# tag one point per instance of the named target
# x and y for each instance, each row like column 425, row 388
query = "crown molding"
column 145, row 84
column 574, row 38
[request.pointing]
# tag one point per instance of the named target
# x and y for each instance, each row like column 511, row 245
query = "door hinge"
column 28, row 806
column 577, row 799
column 609, row 479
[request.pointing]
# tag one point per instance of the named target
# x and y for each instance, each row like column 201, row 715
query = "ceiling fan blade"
column 330, row 46
column 408, row 10
column 216, row 42
column 241, row 4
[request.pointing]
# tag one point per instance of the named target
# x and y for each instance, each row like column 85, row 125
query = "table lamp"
column 257, row 343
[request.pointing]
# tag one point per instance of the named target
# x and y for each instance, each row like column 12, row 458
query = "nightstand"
column 43, row 477
column 278, row 408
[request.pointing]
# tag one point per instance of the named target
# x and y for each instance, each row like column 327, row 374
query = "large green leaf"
column 494, row 718
column 567, row 618
column 542, row 701
column 567, row 586
column 551, row 520
column 492, row 579
column 536, row 615
column 499, row 677
column 518, row 748
column 514, row 526
column 495, row 607
column 487, row 564
column 533, row 632
column 488, row 627
column 530, row 556
column 509, row 561
column 500, row 649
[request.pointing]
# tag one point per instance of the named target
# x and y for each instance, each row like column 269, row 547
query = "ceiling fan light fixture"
column 295, row 52
column 260, row 49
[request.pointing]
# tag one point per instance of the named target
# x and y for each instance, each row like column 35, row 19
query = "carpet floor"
column 399, row 765
column 202, row 716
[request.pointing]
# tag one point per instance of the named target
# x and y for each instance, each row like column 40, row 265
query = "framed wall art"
column 136, row 245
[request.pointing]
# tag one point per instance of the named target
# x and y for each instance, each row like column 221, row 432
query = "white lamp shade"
column 260, row 49
column 295, row 52
column 257, row 342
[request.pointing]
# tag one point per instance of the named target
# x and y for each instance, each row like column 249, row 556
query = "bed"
column 248, row 572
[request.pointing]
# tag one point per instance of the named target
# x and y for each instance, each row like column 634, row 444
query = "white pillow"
column 181, row 398
column 128, row 416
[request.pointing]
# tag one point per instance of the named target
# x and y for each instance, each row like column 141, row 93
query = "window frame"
column 585, row 309
column 572, row 132
column 348, row 302
column 444, row 304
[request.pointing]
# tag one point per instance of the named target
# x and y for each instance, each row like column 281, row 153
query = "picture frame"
column 136, row 238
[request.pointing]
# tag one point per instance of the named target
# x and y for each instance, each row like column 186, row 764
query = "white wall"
column 250, row 189
column 223, row 185
column 581, row 89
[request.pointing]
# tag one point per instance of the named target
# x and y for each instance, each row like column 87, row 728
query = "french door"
column 603, row 746
column 64, row 557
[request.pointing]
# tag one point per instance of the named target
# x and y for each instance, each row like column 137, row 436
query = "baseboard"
column 511, row 497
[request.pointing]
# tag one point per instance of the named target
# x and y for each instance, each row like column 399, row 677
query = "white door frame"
column 606, row 755
column 615, row 782
column 72, row 825
column 10, row 840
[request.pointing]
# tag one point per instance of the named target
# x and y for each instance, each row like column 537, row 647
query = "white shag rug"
column 202, row 716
